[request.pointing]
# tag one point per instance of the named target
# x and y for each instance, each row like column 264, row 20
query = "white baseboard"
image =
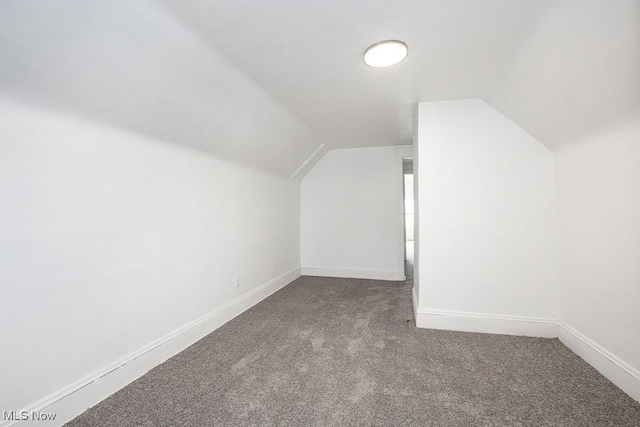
column 486, row 323
column 414, row 300
column 76, row 398
column 623, row 375
column 351, row 273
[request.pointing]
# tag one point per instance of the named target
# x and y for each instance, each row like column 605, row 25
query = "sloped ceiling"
column 265, row 83
column 130, row 65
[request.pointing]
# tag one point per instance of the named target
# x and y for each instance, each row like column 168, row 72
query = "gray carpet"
column 336, row 352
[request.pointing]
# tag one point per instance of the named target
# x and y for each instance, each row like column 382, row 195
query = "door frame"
column 401, row 152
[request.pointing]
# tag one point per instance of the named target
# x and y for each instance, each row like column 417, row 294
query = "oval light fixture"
column 385, row 53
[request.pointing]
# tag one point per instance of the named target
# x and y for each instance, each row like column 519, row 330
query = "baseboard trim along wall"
column 623, row 375
column 76, row 398
column 414, row 301
column 486, row 323
column 351, row 273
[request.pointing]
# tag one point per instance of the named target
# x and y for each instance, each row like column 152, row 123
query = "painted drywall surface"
column 559, row 69
column 486, row 214
column 178, row 70
column 133, row 66
column 573, row 71
column 409, row 208
column 416, row 207
column 109, row 240
column 598, row 193
column 349, row 212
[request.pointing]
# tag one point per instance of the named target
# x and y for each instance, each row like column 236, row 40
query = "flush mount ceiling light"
column 386, row 53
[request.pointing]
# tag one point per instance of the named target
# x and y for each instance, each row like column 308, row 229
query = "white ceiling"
column 308, row 55
column 555, row 67
column 265, row 83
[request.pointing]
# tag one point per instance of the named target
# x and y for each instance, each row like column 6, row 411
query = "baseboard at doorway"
column 351, row 273
column 74, row 399
column 485, row 323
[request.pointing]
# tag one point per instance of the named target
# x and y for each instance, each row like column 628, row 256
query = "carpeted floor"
column 341, row 352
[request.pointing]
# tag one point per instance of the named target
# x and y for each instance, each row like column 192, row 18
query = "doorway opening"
column 409, row 217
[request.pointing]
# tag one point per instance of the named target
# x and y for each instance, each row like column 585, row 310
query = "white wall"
column 598, row 192
column 110, row 240
column 416, row 208
column 409, row 208
column 352, row 215
column 487, row 255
